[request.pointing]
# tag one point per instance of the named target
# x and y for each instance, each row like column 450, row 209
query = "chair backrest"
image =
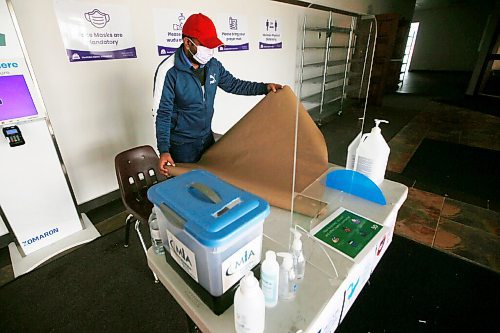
column 136, row 170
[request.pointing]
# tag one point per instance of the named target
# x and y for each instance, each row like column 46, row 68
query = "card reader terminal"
column 13, row 133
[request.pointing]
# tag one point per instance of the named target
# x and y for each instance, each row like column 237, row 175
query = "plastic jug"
column 249, row 306
column 372, row 154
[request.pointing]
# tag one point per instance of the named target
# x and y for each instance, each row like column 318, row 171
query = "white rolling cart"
column 327, row 291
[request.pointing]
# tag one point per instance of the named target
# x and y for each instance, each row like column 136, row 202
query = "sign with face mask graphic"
column 93, row 31
column 270, row 33
column 168, row 28
column 233, row 32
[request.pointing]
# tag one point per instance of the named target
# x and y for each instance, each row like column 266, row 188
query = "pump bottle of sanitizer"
column 299, row 262
column 372, row 154
column 288, row 283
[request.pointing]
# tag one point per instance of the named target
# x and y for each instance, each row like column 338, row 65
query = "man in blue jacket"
column 184, row 92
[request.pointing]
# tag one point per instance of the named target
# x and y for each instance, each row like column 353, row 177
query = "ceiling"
column 427, row 4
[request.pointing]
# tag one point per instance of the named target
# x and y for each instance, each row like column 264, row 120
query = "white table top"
column 321, row 282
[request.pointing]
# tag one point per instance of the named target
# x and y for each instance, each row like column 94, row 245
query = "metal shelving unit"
column 324, row 94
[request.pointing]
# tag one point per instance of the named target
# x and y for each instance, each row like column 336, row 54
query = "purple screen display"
column 15, row 98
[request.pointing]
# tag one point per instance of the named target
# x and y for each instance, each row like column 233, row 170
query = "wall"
column 100, row 108
column 449, row 37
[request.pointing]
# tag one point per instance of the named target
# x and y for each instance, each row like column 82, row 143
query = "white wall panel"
column 99, row 108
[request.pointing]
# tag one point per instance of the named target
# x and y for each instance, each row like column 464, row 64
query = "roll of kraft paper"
column 257, row 153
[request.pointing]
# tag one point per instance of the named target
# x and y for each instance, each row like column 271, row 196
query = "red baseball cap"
column 202, row 28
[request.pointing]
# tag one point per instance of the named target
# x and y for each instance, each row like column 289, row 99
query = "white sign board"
column 168, row 28
column 233, row 32
column 95, row 31
column 39, row 208
column 16, row 85
column 270, row 33
column 9, row 47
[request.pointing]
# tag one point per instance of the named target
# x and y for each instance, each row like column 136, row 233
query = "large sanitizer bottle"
column 249, row 306
column 372, row 154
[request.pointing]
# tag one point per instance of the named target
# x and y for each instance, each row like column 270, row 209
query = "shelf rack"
column 328, row 91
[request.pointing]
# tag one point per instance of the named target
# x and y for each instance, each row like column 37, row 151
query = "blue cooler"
column 212, row 229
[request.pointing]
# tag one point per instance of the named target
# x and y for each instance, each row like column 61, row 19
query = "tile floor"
column 469, row 231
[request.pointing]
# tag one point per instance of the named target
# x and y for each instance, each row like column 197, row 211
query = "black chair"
column 136, row 170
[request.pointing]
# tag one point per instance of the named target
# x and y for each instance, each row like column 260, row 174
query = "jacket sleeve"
column 164, row 113
column 232, row 85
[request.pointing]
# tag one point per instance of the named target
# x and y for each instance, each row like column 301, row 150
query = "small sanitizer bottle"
column 249, row 306
column 288, row 283
column 299, row 262
column 269, row 278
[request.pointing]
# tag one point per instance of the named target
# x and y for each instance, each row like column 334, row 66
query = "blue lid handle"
column 205, row 191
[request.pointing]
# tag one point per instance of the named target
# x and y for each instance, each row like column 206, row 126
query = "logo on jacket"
column 212, row 79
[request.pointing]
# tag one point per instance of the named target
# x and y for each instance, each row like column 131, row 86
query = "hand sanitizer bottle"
column 299, row 263
column 288, row 284
column 269, row 278
column 154, row 230
column 249, row 306
column 372, row 154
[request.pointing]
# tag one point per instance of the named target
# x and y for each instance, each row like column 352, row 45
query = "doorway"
column 410, row 44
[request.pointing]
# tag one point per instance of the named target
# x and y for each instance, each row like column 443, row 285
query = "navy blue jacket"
column 184, row 109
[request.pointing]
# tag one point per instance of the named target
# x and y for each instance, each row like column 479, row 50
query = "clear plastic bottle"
column 154, row 230
column 249, row 306
column 288, row 283
column 269, row 279
column 299, row 262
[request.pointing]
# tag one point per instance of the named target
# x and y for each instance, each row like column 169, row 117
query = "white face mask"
column 203, row 54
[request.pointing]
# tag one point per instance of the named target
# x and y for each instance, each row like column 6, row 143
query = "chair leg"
column 137, row 228
column 128, row 221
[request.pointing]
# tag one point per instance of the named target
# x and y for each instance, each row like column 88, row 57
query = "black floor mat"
column 418, row 289
column 100, row 287
column 462, row 172
column 483, row 104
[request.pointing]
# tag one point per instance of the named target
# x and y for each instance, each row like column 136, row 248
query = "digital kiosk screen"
column 15, row 98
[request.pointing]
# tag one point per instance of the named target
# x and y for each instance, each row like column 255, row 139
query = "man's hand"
column 165, row 159
column 273, row 87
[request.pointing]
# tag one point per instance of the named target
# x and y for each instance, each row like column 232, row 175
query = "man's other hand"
column 165, row 159
column 273, row 87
